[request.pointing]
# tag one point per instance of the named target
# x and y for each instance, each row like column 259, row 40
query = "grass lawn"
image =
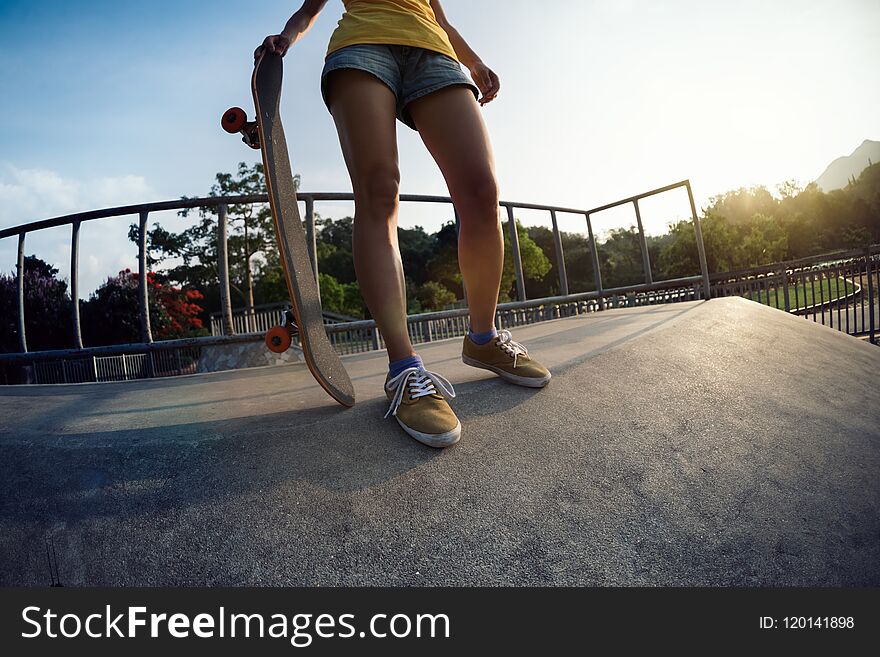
column 802, row 295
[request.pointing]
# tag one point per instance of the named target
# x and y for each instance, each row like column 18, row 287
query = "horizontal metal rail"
column 339, row 327
column 807, row 261
column 222, row 203
column 215, row 201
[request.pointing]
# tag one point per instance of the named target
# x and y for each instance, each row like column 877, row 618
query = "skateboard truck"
column 279, row 338
column 235, row 120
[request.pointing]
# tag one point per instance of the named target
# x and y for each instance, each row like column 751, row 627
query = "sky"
column 111, row 103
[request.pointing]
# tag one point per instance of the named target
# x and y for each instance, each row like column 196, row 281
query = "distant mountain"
column 839, row 172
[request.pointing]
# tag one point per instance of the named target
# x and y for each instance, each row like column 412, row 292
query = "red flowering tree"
column 111, row 314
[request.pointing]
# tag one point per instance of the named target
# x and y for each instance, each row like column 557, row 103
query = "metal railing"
column 352, row 336
column 262, row 317
column 834, row 289
column 120, row 367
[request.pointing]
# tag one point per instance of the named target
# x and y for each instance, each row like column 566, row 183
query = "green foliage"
column 432, row 296
column 341, row 298
column 741, row 228
column 416, row 249
column 765, row 242
column 334, row 248
column 750, row 227
column 535, row 263
column 620, row 258
column 442, row 266
column 193, row 251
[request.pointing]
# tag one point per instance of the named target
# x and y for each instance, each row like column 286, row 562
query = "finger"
column 493, row 83
column 496, row 83
column 486, row 80
column 479, row 80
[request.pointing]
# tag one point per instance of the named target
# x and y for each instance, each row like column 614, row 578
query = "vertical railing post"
column 143, row 289
column 223, row 269
column 643, row 242
column 374, row 336
column 514, row 253
column 785, row 289
column 74, row 284
column 701, row 250
column 457, row 234
column 19, row 280
column 594, row 252
column 560, row 256
column 311, row 238
column 869, row 267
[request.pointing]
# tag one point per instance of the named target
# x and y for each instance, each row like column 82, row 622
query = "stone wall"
column 219, row 357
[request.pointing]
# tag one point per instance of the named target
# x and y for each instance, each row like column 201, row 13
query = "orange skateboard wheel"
column 233, row 120
column 278, row 339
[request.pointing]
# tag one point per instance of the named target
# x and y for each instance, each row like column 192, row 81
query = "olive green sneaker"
column 508, row 359
column 418, row 403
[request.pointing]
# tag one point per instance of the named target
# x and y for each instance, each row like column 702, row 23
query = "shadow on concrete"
column 718, row 443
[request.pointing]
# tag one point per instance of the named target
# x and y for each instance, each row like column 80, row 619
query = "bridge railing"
column 834, row 289
column 262, row 317
column 349, row 336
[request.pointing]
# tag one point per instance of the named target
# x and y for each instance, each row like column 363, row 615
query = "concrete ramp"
column 705, row 443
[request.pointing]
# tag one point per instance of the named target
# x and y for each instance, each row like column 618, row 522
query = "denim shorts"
column 410, row 72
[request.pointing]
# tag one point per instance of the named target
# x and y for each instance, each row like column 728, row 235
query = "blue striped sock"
column 397, row 366
column 482, row 338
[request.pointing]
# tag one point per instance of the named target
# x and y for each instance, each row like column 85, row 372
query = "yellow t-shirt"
column 398, row 22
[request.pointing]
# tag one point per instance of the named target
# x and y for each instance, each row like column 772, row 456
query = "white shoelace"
column 507, row 344
column 420, row 383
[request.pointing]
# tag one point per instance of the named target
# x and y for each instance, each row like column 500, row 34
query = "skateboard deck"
column 322, row 360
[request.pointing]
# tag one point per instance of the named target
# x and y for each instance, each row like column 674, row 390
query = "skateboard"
column 305, row 317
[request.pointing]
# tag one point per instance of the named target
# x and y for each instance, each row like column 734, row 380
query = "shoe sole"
column 438, row 440
column 527, row 381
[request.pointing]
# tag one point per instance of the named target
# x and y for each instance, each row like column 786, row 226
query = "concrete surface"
column 704, row 443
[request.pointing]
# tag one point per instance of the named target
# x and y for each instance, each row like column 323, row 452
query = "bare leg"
column 364, row 111
column 452, row 128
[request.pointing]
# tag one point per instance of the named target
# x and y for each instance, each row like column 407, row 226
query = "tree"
column 765, row 242
column 620, row 257
column 112, row 313
column 334, row 248
column 341, row 298
column 442, row 265
column 432, row 296
column 416, row 249
column 547, row 285
column 251, row 237
column 534, row 263
column 47, row 309
column 679, row 257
